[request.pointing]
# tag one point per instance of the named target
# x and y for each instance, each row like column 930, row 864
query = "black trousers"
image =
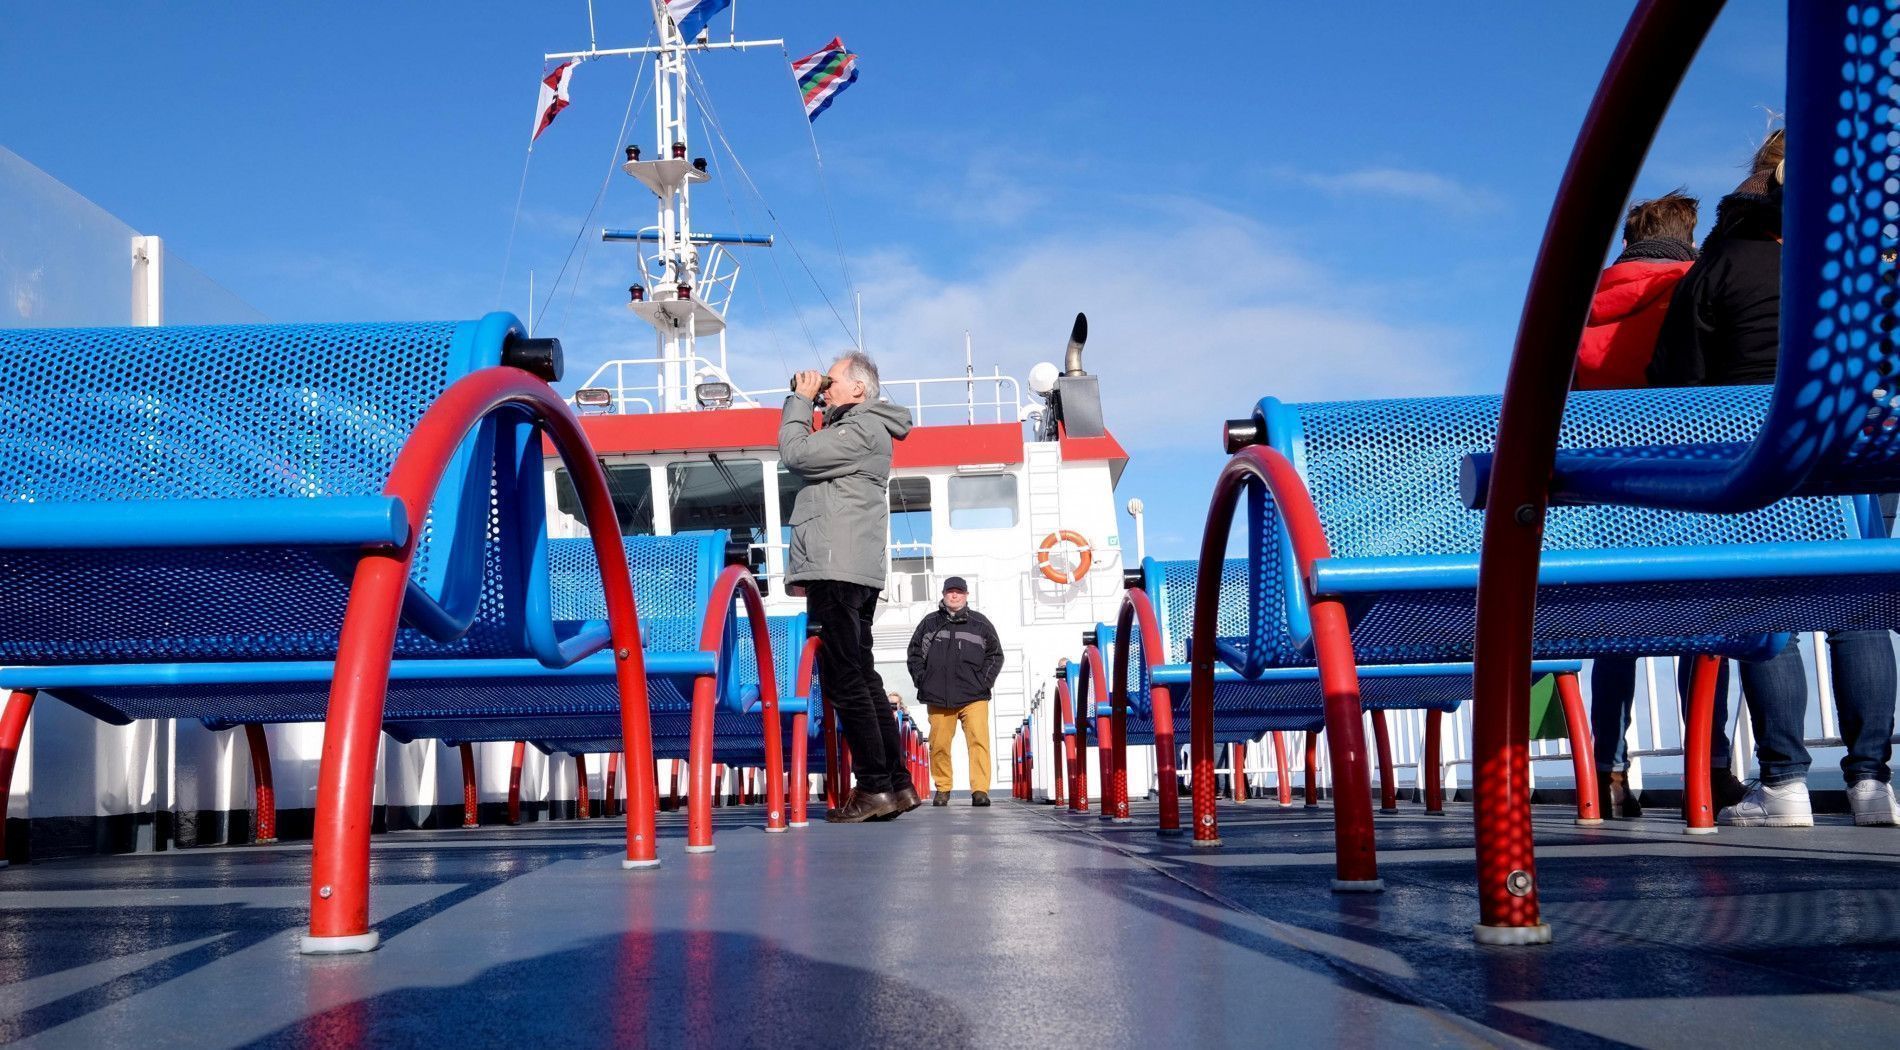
column 847, row 673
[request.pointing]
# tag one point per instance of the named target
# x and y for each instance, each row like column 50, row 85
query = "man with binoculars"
column 840, row 524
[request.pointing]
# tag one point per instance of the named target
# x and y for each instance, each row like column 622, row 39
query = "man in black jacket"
column 954, row 659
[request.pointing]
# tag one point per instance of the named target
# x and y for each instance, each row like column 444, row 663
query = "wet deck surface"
column 1012, row 926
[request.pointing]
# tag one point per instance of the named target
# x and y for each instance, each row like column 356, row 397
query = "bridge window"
column 910, row 517
column 718, row 493
column 982, row 501
column 630, row 484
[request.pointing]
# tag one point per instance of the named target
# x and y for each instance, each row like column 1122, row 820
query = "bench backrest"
column 1384, row 474
column 672, row 581
column 303, row 413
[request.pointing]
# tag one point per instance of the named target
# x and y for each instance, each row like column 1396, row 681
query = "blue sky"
column 1313, row 201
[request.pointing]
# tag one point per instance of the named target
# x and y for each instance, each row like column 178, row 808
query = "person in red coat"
column 1633, row 294
column 1626, row 318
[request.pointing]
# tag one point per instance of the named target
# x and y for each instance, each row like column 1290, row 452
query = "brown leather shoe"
column 860, row 806
column 942, row 799
column 979, row 798
column 907, row 799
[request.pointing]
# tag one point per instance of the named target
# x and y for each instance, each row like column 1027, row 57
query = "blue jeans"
column 1864, row 685
column 1613, row 692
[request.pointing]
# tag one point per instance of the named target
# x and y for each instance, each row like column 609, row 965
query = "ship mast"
column 687, row 279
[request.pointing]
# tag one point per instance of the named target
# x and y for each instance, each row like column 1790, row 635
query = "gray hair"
column 860, row 367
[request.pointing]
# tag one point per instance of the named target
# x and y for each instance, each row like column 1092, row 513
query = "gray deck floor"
column 1012, row 926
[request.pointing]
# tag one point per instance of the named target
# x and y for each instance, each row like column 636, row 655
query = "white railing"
column 948, row 400
column 716, row 276
column 1656, row 734
column 629, row 398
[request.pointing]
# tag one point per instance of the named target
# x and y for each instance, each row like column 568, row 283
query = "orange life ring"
column 1057, row 575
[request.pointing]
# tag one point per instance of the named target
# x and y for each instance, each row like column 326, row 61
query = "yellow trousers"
column 976, row 737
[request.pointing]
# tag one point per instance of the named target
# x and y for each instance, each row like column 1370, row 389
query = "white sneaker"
column 1786, row 806
column 1873, row 804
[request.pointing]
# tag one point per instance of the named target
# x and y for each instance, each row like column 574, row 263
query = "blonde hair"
column 1768, row 155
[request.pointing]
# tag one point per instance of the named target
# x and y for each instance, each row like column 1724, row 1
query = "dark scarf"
column 961, row 616
column 1658, row 249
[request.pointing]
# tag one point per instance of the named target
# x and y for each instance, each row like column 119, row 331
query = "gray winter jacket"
column 841, row 521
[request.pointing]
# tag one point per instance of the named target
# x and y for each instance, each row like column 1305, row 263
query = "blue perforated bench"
column 1613, row 580
column 1283, row 698
column 233, row 503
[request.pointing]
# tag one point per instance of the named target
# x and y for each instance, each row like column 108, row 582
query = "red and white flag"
column 553, row 97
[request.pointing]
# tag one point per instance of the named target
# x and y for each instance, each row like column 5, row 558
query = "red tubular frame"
column 1237, row 774
column 801, row 747
column 1111, row 732
column 1283, row 774
column 1075, row 749
column 264, row 787
column 514, row 781
column 607, row 799
column 12, row 729
column 1060, row 745
column 1698, row 803
column 339, row 867
column 1582, row 757
column 1356, row 866
column 471, row 811
column 1312, row 769
column 1434, row 763
column 583, row 800
column 1650, row 60
column 673, row 789
column 1388, row 780
column 734, row 582
column 1138, row 613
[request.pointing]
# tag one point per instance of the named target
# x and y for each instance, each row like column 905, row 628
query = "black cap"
column 955, row 583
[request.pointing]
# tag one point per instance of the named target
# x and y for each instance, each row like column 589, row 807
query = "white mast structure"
column 681, row 294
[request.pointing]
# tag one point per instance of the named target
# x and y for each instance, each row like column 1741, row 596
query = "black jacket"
column 1724, row 324
column 954, row 658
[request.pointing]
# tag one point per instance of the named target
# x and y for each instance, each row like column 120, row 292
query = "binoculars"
column 824, row 384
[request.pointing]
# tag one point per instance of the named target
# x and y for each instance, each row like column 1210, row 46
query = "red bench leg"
column 1582, row 761
column 608, row 800
column 12, row 729
column 1434, row 763
column 1697, row 796
column 583, row 802
column 1388, row 782
column 1280, row 768
column 1237, row 760
column 1312, row 769
column 471, row 814
column 800, row 800
column 514, row 782
column 673, row 792
column 265, row 788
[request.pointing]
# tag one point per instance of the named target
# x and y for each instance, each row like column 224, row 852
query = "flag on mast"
column 824, row 73
column 692, row 16
column 553, row 97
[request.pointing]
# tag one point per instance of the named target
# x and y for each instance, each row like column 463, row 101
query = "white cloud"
column 1192, row 316
column 1407, row 184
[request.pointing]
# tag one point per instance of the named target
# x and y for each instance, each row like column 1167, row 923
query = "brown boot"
column 860, row 806
column 1627, row 806
column 907, row 799
column 1606, row 800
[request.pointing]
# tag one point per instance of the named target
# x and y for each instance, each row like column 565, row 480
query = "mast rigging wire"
column 712, row 121
column 633, row 96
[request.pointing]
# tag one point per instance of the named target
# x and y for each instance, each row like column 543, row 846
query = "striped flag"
column 692, row 16
column 553, row 97
column 824, row 73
